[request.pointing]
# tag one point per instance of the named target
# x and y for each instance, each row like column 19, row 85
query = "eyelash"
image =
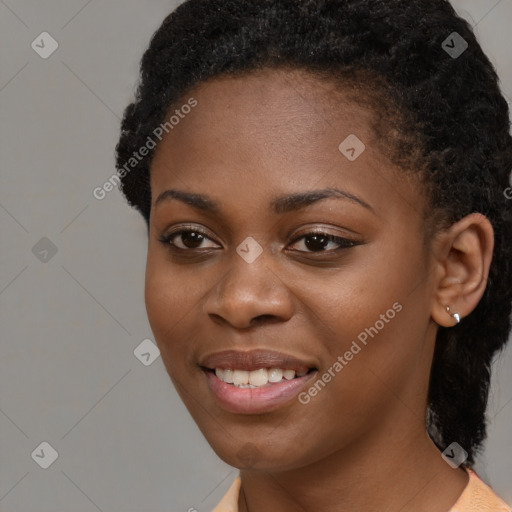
column 344, row 243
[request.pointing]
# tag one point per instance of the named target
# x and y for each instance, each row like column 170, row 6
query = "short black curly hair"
column 445, row 119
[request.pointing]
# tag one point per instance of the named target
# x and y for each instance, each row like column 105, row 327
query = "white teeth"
column 240, row 377
column 228, row 376
column 289, row 374
column 275, row 375
column 256, row 378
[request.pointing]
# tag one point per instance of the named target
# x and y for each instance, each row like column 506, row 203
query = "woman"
column 328, row 272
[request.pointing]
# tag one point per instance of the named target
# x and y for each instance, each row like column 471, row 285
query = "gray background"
column 70, row 325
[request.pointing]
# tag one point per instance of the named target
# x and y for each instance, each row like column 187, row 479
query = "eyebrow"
column 279, row 205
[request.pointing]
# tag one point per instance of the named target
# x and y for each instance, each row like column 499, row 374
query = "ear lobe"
column 463, row 267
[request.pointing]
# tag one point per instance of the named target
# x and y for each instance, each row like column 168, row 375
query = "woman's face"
column 255, row 283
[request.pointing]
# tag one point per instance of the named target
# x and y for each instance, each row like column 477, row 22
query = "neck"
column 383, row 467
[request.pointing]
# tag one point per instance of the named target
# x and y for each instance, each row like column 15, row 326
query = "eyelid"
column 187, row 227
column 325, row 230
column 167, row 235
column 342, row 241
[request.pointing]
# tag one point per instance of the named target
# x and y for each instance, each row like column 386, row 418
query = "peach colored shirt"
column 476, row 497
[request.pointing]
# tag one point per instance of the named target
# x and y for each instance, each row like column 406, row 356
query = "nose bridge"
column 249, row 288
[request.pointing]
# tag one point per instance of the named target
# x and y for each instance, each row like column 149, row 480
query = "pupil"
column 316, row 245
column 192, row 239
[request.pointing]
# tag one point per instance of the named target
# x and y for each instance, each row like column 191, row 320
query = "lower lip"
column 255, row 400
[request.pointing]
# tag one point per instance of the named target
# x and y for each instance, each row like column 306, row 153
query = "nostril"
column 261, row 318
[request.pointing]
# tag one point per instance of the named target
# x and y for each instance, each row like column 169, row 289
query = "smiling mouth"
column 259, row 378
column 255, row 381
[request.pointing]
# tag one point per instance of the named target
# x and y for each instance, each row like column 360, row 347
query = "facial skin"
column 361, row 440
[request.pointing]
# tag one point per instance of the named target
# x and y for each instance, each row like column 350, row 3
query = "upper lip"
column 253, row 360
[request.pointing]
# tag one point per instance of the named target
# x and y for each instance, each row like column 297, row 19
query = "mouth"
column 256, row 381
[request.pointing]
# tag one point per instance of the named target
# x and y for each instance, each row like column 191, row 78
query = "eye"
column 187, row 239
column 192, row 238
column 318, row 241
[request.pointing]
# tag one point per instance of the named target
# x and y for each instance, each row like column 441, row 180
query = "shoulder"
column 476, row 497
column 479, row 497
column 230, row 501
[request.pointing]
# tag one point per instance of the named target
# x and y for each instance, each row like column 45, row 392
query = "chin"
column 258, row 455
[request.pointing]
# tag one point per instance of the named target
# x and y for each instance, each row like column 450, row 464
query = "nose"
column 249, row 294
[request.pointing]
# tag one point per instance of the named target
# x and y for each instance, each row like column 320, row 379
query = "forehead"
column 289, row 101
column 274, row 131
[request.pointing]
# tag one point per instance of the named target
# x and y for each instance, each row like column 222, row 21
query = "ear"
column 463, row 255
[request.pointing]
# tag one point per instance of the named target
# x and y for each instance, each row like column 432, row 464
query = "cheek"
column 169, row 306
column 374, row 379
column 160, row 301
column 373, row 328
column 360, row 385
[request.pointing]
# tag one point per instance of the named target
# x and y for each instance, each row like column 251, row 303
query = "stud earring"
column 455, row 315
